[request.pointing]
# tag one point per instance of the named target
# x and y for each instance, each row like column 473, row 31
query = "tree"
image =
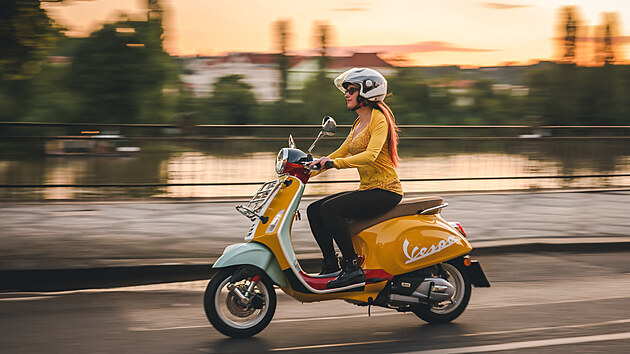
column 51, row 99
column 607, row 36
column 282, row 31
column 410, row 97
column 320, row 96
column 416, row 101
column 119, row 73
column 27, row 35
column 570, row 27
column 322, row 35
column 231, row 103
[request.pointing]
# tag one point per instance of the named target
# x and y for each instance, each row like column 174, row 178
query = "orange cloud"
column 501, row 6
column 350, row 9
column 421, row 47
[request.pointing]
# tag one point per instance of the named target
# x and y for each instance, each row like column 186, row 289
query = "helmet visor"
column 339, row 81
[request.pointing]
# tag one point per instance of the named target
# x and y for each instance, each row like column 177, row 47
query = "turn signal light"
column 467, row 261
column 460, row 228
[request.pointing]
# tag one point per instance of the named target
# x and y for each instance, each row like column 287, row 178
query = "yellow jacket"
column 369, row 153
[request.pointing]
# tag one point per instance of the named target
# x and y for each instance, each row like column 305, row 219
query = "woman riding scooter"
column 371, row 148
column 413, row 260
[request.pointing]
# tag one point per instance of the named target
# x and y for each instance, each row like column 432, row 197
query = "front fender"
column 255, row 254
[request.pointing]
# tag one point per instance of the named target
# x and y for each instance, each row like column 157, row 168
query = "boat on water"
column 91, row 145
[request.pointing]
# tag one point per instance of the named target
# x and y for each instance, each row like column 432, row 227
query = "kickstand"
column 369, row 307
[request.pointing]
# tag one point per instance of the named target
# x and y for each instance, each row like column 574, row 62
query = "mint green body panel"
column 254, row 254
column 284, row 231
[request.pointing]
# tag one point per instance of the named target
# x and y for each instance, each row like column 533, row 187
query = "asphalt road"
column 545, row 302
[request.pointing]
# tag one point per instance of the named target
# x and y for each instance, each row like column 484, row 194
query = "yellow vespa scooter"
column 412, row 258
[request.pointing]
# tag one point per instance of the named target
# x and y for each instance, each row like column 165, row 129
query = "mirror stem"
column 319, row 136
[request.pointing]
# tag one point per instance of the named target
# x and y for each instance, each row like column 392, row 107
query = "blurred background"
column 178, row 108
column 179, row 98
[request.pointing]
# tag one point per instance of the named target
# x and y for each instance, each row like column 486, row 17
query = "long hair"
column 392, row 139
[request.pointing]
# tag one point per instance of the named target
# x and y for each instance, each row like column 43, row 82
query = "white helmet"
column 373, row 84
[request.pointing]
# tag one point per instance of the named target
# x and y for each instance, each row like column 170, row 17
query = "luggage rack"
column 252, row 209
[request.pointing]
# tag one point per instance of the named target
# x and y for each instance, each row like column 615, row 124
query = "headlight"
column 281, row 161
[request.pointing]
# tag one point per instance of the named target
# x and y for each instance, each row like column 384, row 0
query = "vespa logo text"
column 417, row 254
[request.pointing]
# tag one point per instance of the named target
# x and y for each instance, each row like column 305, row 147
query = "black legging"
column 327, row 217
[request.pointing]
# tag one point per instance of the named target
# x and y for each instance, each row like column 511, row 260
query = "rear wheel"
column 234, row 316
column 446, row 311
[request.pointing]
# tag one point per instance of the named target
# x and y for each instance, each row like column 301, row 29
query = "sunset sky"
column 463, row 32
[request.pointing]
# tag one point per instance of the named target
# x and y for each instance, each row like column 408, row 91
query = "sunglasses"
column 352, row 90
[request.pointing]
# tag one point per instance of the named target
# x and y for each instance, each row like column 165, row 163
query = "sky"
column 419, row 32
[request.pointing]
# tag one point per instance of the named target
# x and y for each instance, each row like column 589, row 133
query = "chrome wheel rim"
column 457, row 280
column 233, row 312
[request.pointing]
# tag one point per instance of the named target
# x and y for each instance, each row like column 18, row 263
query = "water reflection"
column 420, row 160
column 196, row 167
column 66, row 173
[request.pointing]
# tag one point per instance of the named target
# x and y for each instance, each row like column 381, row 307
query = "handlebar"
column 318, row 166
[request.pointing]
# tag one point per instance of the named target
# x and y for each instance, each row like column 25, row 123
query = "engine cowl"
column 429, row 290
column 434, row 289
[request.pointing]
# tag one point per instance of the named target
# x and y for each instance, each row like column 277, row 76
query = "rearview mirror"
column 329, row 126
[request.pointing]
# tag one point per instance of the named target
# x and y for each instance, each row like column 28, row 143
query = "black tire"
column 448, row 312
column 221, row 306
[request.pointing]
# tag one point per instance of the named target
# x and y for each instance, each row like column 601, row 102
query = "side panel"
column 408, row 243
column 278, row 239
column 255, row 254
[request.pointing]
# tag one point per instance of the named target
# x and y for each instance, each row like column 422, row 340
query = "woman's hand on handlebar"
column 320, row 164
column 321, row 160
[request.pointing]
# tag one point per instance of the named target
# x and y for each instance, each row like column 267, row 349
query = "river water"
column 237, row 163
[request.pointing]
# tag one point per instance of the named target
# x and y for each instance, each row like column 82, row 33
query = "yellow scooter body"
column 396, row 246
column 408, row 243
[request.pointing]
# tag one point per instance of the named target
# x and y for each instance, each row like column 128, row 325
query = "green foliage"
column 55, row 101
column 114, row 76
column 565, row 94
column 27, row 35
column 415, row 102
column 321, row 98
column 232, row 102
column 119, row 73
column 281, row 112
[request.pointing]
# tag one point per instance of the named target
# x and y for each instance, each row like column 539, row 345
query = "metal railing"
column 435, row 158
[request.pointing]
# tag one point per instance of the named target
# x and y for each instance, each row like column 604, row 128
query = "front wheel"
column 234, row 315
column 447, row 311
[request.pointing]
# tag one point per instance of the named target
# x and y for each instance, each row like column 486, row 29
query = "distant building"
column 261, row 71
column 307, row 68
column 510, row 90
column 258, row 70
column 511, row 74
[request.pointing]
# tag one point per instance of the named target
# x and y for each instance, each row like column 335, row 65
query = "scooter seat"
column 406, row 207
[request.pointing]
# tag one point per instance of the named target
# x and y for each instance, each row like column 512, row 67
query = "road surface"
column 544, row 302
